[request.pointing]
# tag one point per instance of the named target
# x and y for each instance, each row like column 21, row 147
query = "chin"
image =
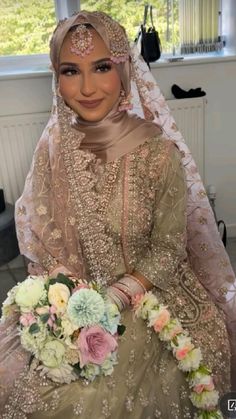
column 92, row 116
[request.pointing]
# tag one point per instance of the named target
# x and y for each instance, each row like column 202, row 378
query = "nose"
column 88, row 85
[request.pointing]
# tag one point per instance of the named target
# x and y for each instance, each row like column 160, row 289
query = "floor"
column 17, row 272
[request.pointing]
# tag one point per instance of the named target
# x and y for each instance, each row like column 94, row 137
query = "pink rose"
column 162, row 320
column 27, row 319
column 198, row 388
column 181, row 353
column 94, row 345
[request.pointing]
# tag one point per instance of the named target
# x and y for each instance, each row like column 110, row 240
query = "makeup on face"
column 90, row 85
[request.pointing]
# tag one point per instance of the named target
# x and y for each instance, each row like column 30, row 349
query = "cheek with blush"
column 111, row 84
column 68, row 88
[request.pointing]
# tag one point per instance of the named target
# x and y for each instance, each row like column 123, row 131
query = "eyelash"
column 104, row 67
column 100, row 68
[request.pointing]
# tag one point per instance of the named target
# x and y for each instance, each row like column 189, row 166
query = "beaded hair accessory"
column 82, row 41
column 119, row 44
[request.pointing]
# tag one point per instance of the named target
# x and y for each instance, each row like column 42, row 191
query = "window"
column 26, row 26
column 184, row 26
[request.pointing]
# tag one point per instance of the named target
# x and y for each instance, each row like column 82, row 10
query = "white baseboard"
column 231, row 230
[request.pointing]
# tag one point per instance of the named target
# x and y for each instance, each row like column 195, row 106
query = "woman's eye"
column 69, row 71
column 104, row 67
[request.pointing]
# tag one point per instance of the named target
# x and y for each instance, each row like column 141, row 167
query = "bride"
column 106, row 200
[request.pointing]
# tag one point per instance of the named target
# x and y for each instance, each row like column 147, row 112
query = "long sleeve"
column 168, row 238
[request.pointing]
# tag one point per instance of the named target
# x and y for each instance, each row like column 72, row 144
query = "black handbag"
column 223, row 231
column 150, row 41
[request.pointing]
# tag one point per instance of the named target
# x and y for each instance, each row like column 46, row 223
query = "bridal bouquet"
column 70, row 327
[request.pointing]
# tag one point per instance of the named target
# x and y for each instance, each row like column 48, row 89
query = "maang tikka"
column 82, row 41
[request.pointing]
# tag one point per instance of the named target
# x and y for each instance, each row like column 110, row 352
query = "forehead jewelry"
column 82, row 41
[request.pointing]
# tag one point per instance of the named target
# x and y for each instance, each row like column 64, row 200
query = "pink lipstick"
column 90, row 103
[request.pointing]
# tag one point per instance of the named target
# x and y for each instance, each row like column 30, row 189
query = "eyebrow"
column 101, row 60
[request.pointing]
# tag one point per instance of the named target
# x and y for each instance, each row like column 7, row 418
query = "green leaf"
column 58, row 321
column 121, row 329
column 57, row 333
column 77, row 368
column 62, row 279
column 34, row 328
column 44, row 317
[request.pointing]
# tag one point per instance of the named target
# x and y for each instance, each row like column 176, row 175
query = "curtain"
column 200, row 23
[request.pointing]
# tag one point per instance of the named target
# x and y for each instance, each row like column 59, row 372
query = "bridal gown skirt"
column 146, row 384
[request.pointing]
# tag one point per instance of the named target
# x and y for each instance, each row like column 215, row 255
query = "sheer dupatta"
column 206, row 251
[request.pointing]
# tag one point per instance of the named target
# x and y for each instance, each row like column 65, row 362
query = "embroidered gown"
column 137, row 219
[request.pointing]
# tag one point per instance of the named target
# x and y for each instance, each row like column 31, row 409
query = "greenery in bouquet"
column 69, row 326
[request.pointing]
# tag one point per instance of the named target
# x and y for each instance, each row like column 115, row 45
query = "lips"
column 90, row 103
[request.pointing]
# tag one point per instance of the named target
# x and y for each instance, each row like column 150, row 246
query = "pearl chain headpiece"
column 81, row 40
column 119, row 45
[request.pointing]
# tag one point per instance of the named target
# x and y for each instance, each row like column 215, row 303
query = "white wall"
column 219, row 82
column 32, row 94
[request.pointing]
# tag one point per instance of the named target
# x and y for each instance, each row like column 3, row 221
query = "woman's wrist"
column 123, row 291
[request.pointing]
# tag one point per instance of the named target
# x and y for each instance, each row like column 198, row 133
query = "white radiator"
column 20, row 133
column 189, row 115
column 18, row 138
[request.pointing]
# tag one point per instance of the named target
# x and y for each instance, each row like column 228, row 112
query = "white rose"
column 58, row 296
column 30, row 292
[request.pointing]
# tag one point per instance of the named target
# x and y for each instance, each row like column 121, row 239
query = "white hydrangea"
column 34, row 342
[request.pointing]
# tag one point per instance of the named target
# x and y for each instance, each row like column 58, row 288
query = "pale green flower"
column 30, row 292
column 64, row 374
column 52, row 353
column 85, row 307
column 34, row 342
column 90, row 371
column 107, row 367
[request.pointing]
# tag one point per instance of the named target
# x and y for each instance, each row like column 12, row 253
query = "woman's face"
column 89, row 85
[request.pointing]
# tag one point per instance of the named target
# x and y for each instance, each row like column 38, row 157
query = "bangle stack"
column 122, row 291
